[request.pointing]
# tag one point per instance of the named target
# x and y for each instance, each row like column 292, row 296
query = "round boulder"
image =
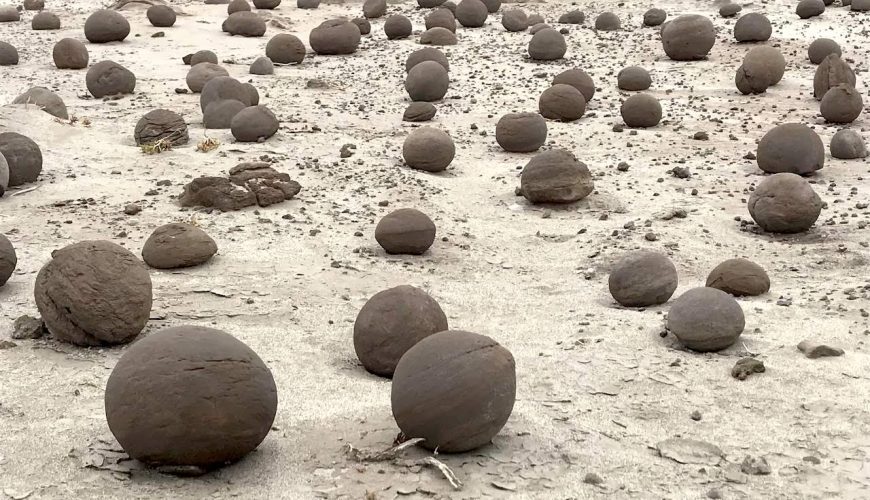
column 8, row 54
column 419, row 112
column 335, row 37
column 572, row 17
column 174, row 246
column 45, row 100
column 161, row 16
column 373, row 9
column 23, row 158
column 762, row 67
column 842, row 104
column 426, row 54
column 706, row 319
column 688, row 38
column 397, row 27
column 562, row 102
column 70, row 54
column 220, row 114
column 202, row 73
column 847, row 144
column 307, row 4
column 729, row 9
column 643, row 279
column 438, row 36
column 8, row 260
column 45, row 21
column 753, row 27
column 428, row 149
column 739, row 277
column 821, row 48
column 810, row 8
column 555, row 176
column 831, row 72
column 202, row 56
column 578, row 79
column 791, row 147
column 244, row 23
column 654, row 17
column 427, row 81
column 471, row 13
column 492, row 6
column 521, row 132
column 633, row 78
column 161, row 124
column 365, row 27
column 515, row 20
column 262, row 66
column 441, row 18
column 641, row 111
column 9, row 14
column 267, row 4
column 785, row 203
column 254, row 124
column 108, row 78
column 405, row 231
column 4, row 175
column 105, row 26
column 607, row 21
column 225, row 87
column 238, row 6
column 547, row 45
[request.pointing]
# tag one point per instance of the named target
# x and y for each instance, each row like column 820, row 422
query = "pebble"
column 746, row 367
column 813, row 350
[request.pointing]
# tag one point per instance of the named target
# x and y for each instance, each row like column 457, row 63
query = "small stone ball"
column 254, row 124
column 785, row 203
column 23, row 158
column 521, row 132
column 454, row 389
column 771, row 58
column 562, row 102
column 373, row 9
column 706, row 319
column 641, row 111
column 202, row 73
column 633, row 78
column 219, row 114
column 364, row 26
column 94, row 293
column 335, row 37
column 202, row 56
column 161, row 16
column 688, row 37
column 108, row 78
column 238, row 6
column 8, row 54
column 762, row 67
column 438, row 36
column 8, row 261
column 8, row 14
column 419, row 112
column 45, row 100
column 847, row 144
column 739, row 277
column 842, row 104
column 34, row 4
column 441, row 18
column 607, row 21
column 390, row 323
column 555, row 176
column 831, row 72
column 547, row 45
column 105, row 26
column 654, row 17
column 267, row 4
column 428, row 149
column 729, row 9
column 791, row 147
column 161, row 124
column 492, row 6
column 262, row 66
column 45, row 21
column 643, row 279
column 190, row 396
column 397, row 27
column 426, row 54
column 429, row 4
column 405, row 231
column 573, row 17
column 471, row 13
column 427, row 81
column 244, row 23
column 4, row 175
column 578, row 79
column 307, row 4
column 515, row 20
column 753, row 27
column 860, row 5
column 822, row 48
column 285, row 48
column 810, row 8
column 70, row 54
column 174, row 246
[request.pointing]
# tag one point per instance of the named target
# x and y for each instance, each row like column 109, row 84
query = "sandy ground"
column 597, row 385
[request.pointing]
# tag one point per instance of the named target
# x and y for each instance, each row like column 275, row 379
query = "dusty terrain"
column 598, row 386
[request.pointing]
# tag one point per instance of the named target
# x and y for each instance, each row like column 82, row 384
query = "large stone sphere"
column 654, row 17
column 562, row 102
column 810, row 8
column 492, row 6
column 108, row 78
column 23, row 158
column 762, row 67
column 45, row 21
column 94, row 293
column 842, row 104
column 643, row 279
column 427, row 81
column 785, row 203
column 454, row 389
column 847, row 144
column 739, row 277
column 706, row 319
column 821, row 48
column 105, row 26
column 405, row 231
column 238, row 6
column 8, row 261
column 190, row 396
column 578, row 79
column 397, row 27
column 471, row 13
column 641, row 111
column 45, row 100
column 791, row 147
column 254, row 124
column 373, row 9
column 285, row 48
column 176, row 245
column 419, row 112
column 607, row 21
column 515, row 20
column 555, row 176
column 365, row 27
column 70, row 54
column 547, row 45
column 426, row 54
column 161, row 124
column 633, row 78
column 428, row 149
column 244, row 23
column 831, row 72
column 521, row 132
column 161, row 16
column 335, row 37
column 200, row 74
column 390, row 323
column 688, row 38
column 752, row 27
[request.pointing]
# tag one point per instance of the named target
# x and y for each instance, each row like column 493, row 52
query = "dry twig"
column 393, row 454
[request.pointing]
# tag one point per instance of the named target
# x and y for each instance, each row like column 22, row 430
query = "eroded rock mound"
column 244, row 23
column 848, row 144
column 555, row 176
column 547, row 45
column 335, row 37
column 641, row 111
column 285, row 48
column 562, row 102
column 791, row 147
column 108, row 78
column 831, row 72
column 739, row 277
column 161, row 125
column 249, row 184
column 8, row 259
column 177, row 245
column 45, row 100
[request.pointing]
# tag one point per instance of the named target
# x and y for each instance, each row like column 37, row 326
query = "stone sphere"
column 419, row 112
column 521, row 132
column 34, row 4
column 753, row 27
column 45, row 21
column 562, row 102
column 254, row 124
column 45, row 100
column 426, row 54
column 190, row 396
column 390, row 323
column 202, row 56
column 454, row 389
column 8, row 54
column 492, row 6
column 70, row 54
column 266, row 4
column 200, row 74
column 842, row 104
column 791, row 147
column 238, row 6
column 654, row 17
column 688, row 38
column 94, row 293
column 471, row 13
column 762, row 67
column 515, row 20
column 252, row 93
column 578, row 79
column 161, row 16
column 161, row 124
column 8, row 261
column 397, row 26
column 860, row 5
column 847, row 144
column 573, row 17
column 831, row 72
column 427, row 81
column 365, row 27
column 219, row 114
column 607, row 21
column 438, row 36
column 307, row 4
column 428, row 149
column 785, row 203
column 405, row 231
column 547, row 45
column 555, row 176
column 4, row 175
column 174, row 246
column 105, row 26
column 262, row 66
column 810, row 8
column 108, row 78
column 224, row 87
column 373, row 9
column 244, row 23
column 641, row 111
column 9, row 13
column 633, row 78
column 534, row 28
column 335, row 37
column 643, row 279
column 739, row 277
column 23, row 158
column 729, row 9
column 821, row 48
column 706, row 319
column 441, row 18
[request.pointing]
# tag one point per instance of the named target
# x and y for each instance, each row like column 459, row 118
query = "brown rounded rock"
column 641, row 111
column 572, row 17
column 70, row 54
column 174, row 246
column 654, row 17
column 419, row 112
column 555, row 176
column 161, row 16
column 752, row 27
column 547, row 45
column 365, row 27
column 373, row 9
column 842, row 104
column 688, row 38
column 254, row 124
column 471, row 13
column 34, row 4
column 285, row 48
column 8, row 262
column 335, row 37
column 105, row 26
column 706, row 319
column 438, row 36
column 397, row 26
column 562, row 102
column 791, row 147
column 428, row 149
column 202, row 56
column 161, row 124
column 441, row 18
column 244, row 23
column 23, row 158
column 729, row 9
column 8, row 54
column 429, row 4
column 225, row 87
column 831, row 72
column 405, row 231
column 427, row 81
column 45, row 21
column 739, row 277
column 578, row 79
column 219, row 114
column 810, row 8
column 94, row 293
column 633, row 78
column 108, row 78
column 9, row 14
column 45, row 100
column 4, row 175
column 643, row 279
column 847, row 144
column 515, row 20
column 426, row 54
column 785, row 203
column 262, row 66
column 266, row 4
column 202, row 73
column 607, row 21
column 238, row 6
column 821, row 48
column 521, row 132
column 762, row 67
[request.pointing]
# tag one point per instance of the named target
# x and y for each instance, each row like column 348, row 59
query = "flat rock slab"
column 690, row 451
column 813, row 350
